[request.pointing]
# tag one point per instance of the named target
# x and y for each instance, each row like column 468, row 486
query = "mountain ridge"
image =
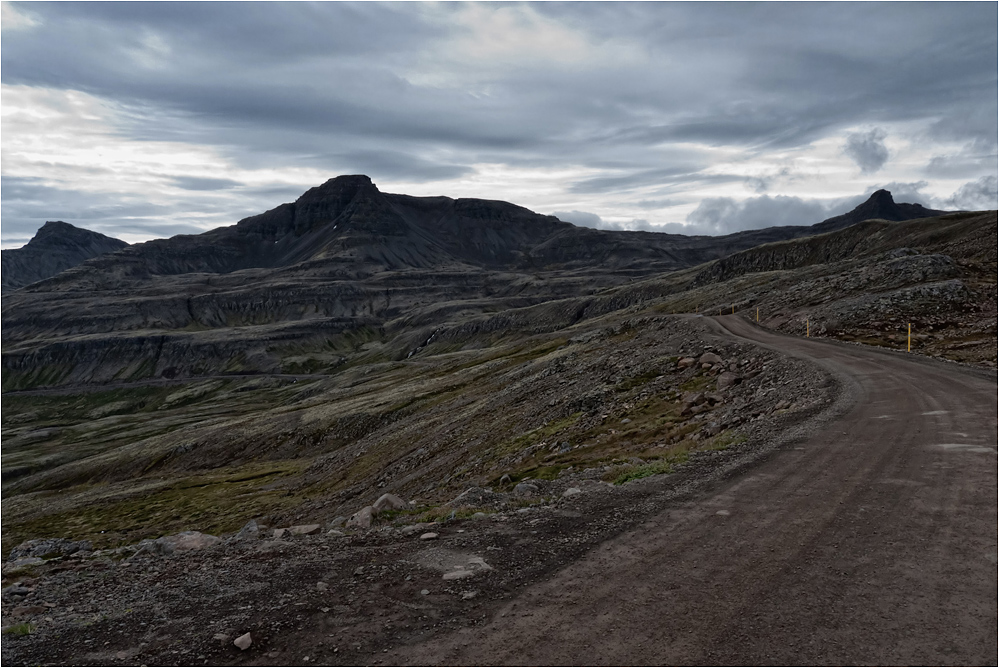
column 357, row 230
column 56, row 246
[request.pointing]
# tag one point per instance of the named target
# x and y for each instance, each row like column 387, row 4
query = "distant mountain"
column 343, row 264
column 350, row 229
column 57, row 246
column 879, row 206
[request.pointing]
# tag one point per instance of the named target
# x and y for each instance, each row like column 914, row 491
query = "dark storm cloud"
column 867, row 149
column 200, row 183
column 753, row 73
column 391, row 90
column 976, row 195
column 723, row 215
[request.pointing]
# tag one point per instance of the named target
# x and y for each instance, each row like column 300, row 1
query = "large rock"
column 477, row 497
column 728, row 379
column 686, row 362
column 186, row 541
column 49, row 547
column 304, row 529
column 361, row 519
column 250, row 531
column 710, row 358
column 244, row 641
column 388, row 502
column 525, row 489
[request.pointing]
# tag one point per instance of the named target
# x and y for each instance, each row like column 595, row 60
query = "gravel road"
column 873, row 541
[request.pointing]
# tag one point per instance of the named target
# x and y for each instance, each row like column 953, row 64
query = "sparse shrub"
column 22, row 629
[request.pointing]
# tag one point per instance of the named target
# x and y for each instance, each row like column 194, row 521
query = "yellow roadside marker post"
column 757, row 314
column 908, row 347
column 806, row 328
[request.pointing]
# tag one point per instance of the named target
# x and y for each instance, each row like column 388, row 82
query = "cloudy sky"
column 152, row 119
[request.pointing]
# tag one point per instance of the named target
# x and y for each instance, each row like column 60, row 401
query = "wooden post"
column 908, row 348
column 757, row 314
column 806, row 328
column 733, row 309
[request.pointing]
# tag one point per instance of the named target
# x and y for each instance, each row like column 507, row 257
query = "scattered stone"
column 413, row 528
column 424, row 592
column 465, row 596
column 710, row 359
column 686, row 362
column 476, row 496
column 244, row 641
column 23, row 562
column 28, row 610
column 15, row 590
column 388, row 502
column 278, row 533
column 505, row 479
column 572, row 491
column 48, row 548
column 361, row 519
column 185, row 541
column 322, row 586
column 525, row 489
column 334, row 532
column 458, row 575
column 477, row 564
column 337, row 521
column 430, row 535
column 250, row 531
column 304, row 530
column 728, row 379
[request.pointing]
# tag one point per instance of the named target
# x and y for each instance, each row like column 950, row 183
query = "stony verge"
column 341, row 590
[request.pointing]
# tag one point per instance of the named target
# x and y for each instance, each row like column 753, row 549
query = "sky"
column 152, row 119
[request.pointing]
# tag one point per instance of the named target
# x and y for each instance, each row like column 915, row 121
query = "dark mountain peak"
column 879, row 205
column 56, row 233
column 341, row 199
column 342, row 188
column 56, row 246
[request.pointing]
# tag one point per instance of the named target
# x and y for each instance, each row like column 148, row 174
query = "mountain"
column 56, row 246
column 343, row 262
column 880, row 206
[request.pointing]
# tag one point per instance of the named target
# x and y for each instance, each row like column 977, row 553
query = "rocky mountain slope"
column 343, row 267
column 56, row 246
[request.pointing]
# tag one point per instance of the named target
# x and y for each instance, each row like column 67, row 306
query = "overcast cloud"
column 147, row 119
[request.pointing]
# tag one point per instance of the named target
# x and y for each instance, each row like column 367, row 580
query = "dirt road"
column 873, row 541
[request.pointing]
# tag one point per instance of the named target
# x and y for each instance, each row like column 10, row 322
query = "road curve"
column 872, row 542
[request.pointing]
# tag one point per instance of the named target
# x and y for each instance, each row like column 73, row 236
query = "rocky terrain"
column 667, row 408
column 368, row 407
column 56, row 246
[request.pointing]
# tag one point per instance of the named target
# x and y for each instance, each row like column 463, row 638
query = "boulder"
column 304, row 529
column 710, row 359
column 244, row 641
column 49, row 547
column 525, row 489
column 250, row 530
column 572, row 491
column 686, row 362
column 388, row 502
column 728, row 379
column 361, row 519
column 430, row 535
column 185, row 541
